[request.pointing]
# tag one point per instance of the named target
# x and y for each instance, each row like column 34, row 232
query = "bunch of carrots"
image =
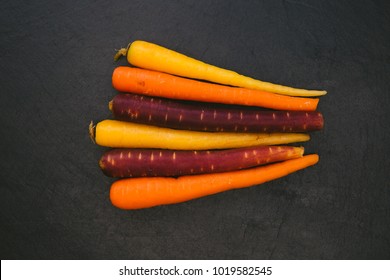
column 184, row 129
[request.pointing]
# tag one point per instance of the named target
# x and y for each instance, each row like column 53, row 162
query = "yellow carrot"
column 119, row 134
column 154, row 57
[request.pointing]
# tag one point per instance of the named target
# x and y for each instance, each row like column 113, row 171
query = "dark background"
column 56, row 64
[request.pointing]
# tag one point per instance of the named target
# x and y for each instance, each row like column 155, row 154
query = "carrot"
column 156, row 162
column 119, row 134
column 147, row 82
column 216, row 117
column 151, row 56
column 138, row 193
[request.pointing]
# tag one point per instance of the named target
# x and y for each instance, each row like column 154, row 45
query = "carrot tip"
column 91, row 129
column 300, row 150
column 321, row 93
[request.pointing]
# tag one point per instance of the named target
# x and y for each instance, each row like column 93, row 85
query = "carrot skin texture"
column 210, row 117
column 119, row 134
column 154, row 57
column 147, row 82
column 123, row 163
column 138, row 193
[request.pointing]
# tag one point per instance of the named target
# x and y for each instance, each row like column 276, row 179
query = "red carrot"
column 141, row 81
column 155, row 162
column 137, row 193
column 210, row 116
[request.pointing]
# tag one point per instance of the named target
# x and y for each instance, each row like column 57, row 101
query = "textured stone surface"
column 56, row 65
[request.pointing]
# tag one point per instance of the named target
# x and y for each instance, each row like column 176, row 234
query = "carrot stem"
column 121, row 52
column 138, row 193
column 91, row 129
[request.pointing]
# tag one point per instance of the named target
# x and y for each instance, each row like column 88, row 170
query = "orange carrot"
column 137, row 193
column 141, row 81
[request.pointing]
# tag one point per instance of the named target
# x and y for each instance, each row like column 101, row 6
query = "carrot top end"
column 101, row 164
column 121, row 52
column 91, row 129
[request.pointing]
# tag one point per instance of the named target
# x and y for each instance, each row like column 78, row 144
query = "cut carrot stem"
column 202, row 116
column 147, row 82
column 119, row 134
column 162, row 163
column 138, row 193
column 154, row 57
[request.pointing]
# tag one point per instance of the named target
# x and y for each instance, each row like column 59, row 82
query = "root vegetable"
column 138, row 193
column 154, row 57
column 147, row 82
column 210, row 117
column 122, row 163
column 119, row 134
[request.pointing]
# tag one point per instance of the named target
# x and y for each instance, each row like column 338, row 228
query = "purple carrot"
column 210, row 116
column 153, row 162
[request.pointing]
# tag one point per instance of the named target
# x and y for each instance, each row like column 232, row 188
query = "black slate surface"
column 56, row 65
